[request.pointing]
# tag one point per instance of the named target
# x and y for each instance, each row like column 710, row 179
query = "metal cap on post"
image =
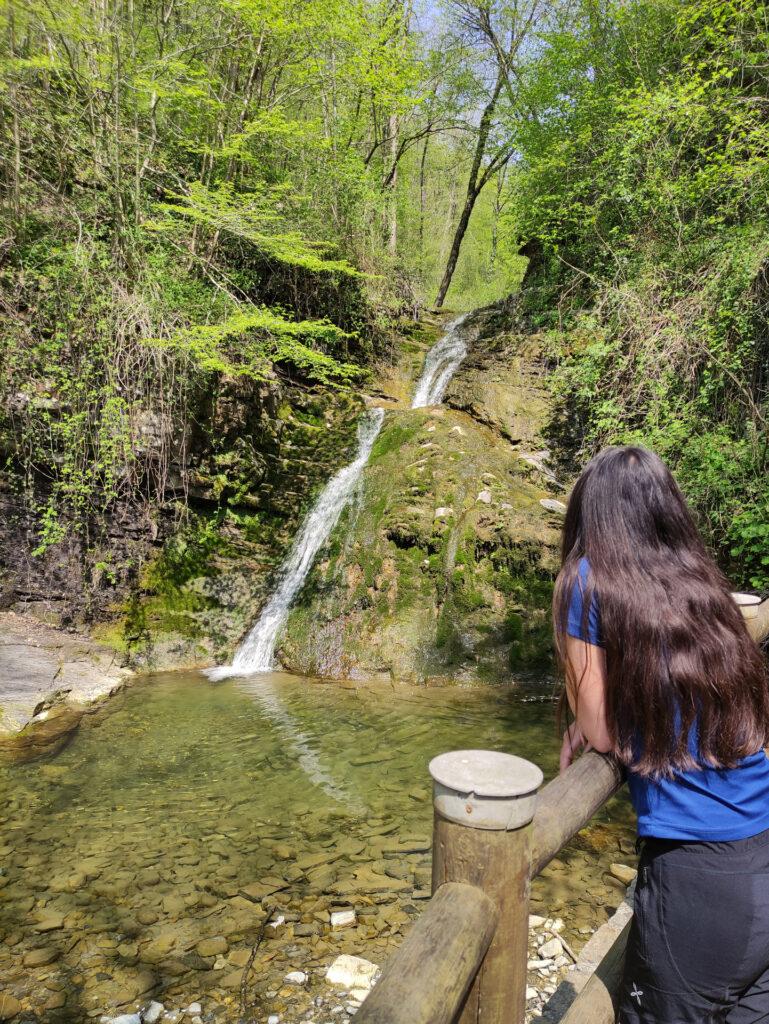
column 747, row 603
column 485, row 788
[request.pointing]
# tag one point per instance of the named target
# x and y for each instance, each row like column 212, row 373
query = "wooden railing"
column 464, row 960
column 465, row 957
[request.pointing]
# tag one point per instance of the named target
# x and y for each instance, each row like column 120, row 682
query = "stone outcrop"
column 48, row 680
column 442, row 569
column 176, row 583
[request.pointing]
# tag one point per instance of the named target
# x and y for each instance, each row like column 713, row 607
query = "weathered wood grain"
column 425, row 981
column 498, row 863
column 568, row 803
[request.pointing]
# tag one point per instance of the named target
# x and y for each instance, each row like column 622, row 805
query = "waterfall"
column 255, row 654
column 441, row 363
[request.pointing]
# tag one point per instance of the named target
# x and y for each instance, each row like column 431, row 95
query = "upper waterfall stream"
column 441, row 363
column 256, row 652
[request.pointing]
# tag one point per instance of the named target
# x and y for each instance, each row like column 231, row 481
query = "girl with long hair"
column 661, row 672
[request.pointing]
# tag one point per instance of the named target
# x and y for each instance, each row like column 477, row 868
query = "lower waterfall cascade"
column 256, row 653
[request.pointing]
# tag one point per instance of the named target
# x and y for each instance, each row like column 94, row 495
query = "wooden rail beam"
column 427, row 979
column 597, row 1002
column 568, row 803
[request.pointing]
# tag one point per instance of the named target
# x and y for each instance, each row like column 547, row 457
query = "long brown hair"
column 677, row 649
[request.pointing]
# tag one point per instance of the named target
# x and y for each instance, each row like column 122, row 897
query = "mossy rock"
column 255, row 475
column 442, row 571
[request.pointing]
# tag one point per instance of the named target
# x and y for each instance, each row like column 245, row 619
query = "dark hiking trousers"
column 698, row 951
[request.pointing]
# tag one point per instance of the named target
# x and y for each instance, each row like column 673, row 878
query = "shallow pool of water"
column 146, row 858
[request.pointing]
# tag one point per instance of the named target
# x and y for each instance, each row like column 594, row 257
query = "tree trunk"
column 474, row 185
column 495, row 226
column 422, row 194
column 459, row 234
column 392, row 205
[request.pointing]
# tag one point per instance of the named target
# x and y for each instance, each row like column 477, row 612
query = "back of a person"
column 661, row 672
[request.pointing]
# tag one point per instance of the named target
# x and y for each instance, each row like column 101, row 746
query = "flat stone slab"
column 38, row 661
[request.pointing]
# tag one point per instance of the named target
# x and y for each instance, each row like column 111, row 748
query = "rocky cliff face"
column 175, row 583
column 442, row 568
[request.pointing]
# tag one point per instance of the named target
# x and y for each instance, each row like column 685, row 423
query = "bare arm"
column 586, row 693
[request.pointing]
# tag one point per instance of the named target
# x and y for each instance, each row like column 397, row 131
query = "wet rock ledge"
column 48, row 680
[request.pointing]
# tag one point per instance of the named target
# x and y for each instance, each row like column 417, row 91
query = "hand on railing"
column 573, row 741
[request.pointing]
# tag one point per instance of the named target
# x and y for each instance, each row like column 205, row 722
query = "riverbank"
column 49, row 678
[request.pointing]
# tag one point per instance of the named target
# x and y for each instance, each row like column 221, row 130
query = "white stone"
column 485, row 497
column 153, row 1013
column 557, row 925
column 276, row 922
column 273, row 1019
column 553, row 505
column 442, row 511
column 456, row 430
column 295, row 978
column 359, row 994
column 531, row 993
column 535, row 921
column 125, row 1018
column 535, row 965
column 352, row 972
column 193, row 1009
column 550, row 949
column 220, row 964
column 342, row 918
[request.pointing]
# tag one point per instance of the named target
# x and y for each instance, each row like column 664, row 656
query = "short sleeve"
column 591, row 633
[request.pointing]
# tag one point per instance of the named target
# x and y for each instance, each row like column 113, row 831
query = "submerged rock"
column 296, row 978
column 623, row 873
column 352, row 972
column 342, row 918
column 9, row 1006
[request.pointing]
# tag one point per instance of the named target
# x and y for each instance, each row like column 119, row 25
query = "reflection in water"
column 263, row 692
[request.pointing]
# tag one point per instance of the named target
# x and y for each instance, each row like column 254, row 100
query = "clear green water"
column 132, row 845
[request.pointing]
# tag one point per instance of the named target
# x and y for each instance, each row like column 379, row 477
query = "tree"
column 500, row 37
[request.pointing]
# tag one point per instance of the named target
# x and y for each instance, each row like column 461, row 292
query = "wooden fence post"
column 483, row 806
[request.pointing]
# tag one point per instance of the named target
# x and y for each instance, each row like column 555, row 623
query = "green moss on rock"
column 421, row 575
